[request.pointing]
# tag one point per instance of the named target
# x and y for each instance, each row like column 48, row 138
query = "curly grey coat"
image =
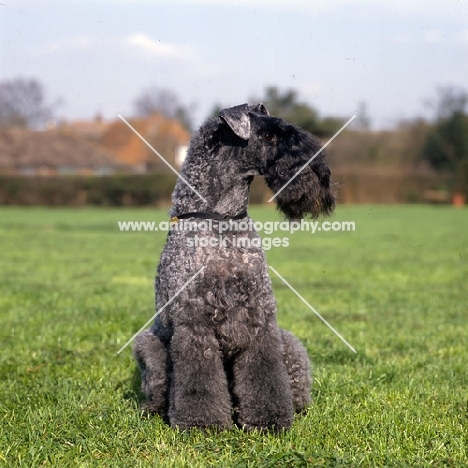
column 215, row 355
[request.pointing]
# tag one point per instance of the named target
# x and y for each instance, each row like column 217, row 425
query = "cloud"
column 145, row 44
column 141, row 46
column 134, row 46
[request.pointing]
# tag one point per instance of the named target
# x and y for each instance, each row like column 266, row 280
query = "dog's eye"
column 268, row 136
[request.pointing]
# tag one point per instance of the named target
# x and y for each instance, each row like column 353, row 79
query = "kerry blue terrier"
column 215, row 355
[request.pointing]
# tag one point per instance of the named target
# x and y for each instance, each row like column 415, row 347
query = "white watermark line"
column 161, row 157
column 162, row 308
column 314, row 311
column 221, row 227
column 312, row 158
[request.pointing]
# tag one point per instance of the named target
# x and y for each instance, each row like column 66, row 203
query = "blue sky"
column 99, row 55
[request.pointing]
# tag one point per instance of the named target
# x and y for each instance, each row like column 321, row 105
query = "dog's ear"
column 238, row 119
column 260, row 109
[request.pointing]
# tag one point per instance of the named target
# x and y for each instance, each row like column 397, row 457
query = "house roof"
column 21, row 148
column 158, row 130
column 92, row 145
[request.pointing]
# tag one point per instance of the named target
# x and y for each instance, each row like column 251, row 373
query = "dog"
column 215, row 355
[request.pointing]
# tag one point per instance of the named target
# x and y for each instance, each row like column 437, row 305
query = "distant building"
column 94, row 147
column 26, row 152
column 165, row 135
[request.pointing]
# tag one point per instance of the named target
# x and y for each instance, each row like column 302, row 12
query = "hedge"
column 156, row 189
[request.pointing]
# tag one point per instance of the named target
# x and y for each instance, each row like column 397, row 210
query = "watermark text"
column 232, row 226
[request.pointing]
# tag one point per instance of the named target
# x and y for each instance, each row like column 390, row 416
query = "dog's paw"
column 151, row 408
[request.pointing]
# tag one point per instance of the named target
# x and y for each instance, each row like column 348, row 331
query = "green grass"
column 73, row 290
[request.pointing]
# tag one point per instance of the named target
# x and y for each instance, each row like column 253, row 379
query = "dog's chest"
column 237, row 298
column 231, row 296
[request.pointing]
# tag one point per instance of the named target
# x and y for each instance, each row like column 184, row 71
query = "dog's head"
column 289, row 158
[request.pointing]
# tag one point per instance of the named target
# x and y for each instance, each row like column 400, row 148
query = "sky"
column 99, row 56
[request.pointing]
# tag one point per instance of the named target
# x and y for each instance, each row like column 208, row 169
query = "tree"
column 446, row 146
column 22, row 103
column 164, row 101
column 287, row 106
column 452, row 101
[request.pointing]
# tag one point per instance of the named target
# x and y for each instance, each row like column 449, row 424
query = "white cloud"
column 142, row 46
column 143, row 43
column 136, row 44
column 134, row 48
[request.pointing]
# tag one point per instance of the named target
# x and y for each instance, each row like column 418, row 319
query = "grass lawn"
column 73, row 290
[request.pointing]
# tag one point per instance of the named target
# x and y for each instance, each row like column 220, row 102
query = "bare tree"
column 164, row 101
column 22, row 103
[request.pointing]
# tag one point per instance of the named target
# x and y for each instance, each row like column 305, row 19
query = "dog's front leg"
column 151, row 355
column 199, row 395
column 261, row 385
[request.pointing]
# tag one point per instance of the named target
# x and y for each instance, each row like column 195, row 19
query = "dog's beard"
column 310, row 193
